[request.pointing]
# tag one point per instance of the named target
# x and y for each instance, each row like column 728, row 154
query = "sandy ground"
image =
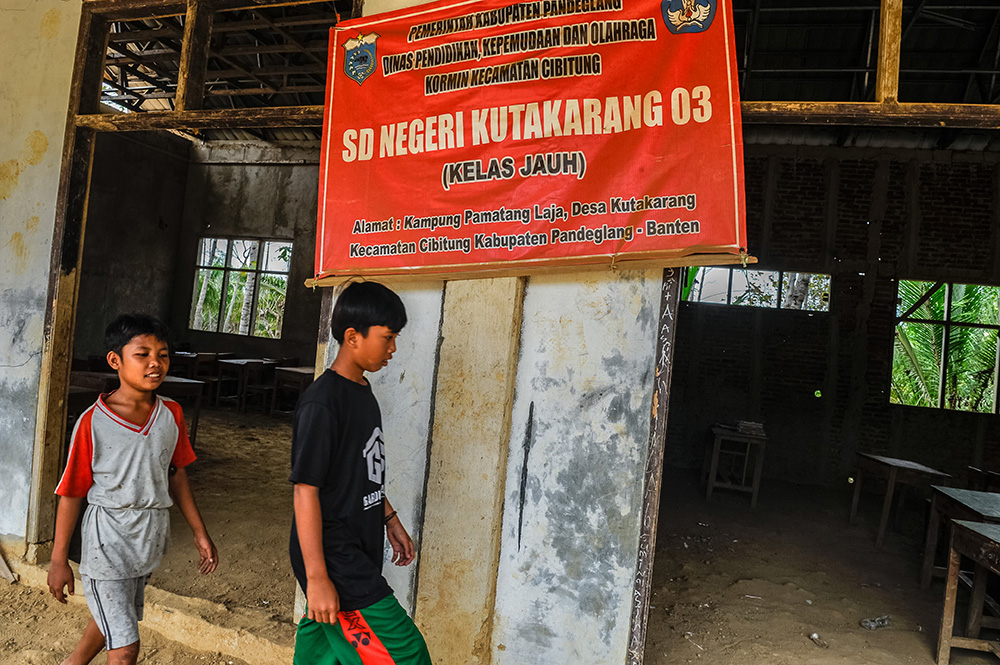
column 36, row 630
column 731, row 585
column 240, row 482
column 735, row 585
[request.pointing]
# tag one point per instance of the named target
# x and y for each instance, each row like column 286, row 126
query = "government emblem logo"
column 687, row 16
column 360, row 60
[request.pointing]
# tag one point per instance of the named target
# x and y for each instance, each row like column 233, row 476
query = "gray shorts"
column 116, row 606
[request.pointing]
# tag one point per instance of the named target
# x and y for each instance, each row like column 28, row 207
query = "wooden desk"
column 750, row 445
column 184, row 364
column 952, row 503
column 291, row 378
column 981, row 543
column 242, row 369
column 173, row 387
column 896, row 471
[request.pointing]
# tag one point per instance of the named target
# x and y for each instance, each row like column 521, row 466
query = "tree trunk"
column 199, row 309
column 247, row 304
column 229, row 305
column 798, row 289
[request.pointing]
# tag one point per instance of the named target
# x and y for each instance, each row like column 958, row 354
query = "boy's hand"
column 60, row 575
column 209, row 555
column 322, row 600
column 402, row 544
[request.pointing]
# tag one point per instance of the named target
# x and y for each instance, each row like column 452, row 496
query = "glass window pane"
column 911, row 292
column 916, row 364
column 239, row 303
column 205, row 300
column 972, row 303
column 805, row 291
column 244, row 254
column 212, row 252
column 277, row 256
column 755, row 288
column 270, row 305
column 968, row 384
column 712, row 285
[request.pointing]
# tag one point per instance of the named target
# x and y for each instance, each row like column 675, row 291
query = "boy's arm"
column 180, row 489
column 402, row 544
column 321, row 595
column 60, row 574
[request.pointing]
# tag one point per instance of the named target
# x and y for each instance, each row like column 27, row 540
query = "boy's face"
column 373, row 351
column 143, row 363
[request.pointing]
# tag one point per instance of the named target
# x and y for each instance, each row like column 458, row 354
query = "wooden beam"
column 284, row 90
column 286, row 116
column 670, row 300
column 890, row 30
column 194, row 56
column 119, row 10
column 871, row 114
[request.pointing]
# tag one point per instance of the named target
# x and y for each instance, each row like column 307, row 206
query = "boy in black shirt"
column 338, row 468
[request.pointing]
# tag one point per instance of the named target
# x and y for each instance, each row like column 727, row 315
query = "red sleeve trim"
column 183, row 452
column 78, row 476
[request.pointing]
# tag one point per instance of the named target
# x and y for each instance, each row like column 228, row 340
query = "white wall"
column 578, row 447
column 37, row 48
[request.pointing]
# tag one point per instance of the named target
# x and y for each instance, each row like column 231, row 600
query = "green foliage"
column 919, row 347
column 230, row 312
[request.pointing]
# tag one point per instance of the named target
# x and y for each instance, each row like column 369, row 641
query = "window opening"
column 945, row 346
column 759, row 288
column 240, row 286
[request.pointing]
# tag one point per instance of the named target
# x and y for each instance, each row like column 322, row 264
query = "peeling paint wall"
column 468, row 455
column 578, row 447
column 38, row 47
column 405, row 392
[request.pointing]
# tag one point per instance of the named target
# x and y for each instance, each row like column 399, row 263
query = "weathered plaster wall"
column 134, row 216
column 578, row 447
column 465, row 484
column 405, row 391
column 37, row 49
column 253, row 190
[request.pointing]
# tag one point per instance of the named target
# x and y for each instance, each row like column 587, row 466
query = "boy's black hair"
column 120, row 331
column 366, row 304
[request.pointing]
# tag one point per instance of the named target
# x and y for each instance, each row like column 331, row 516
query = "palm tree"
column 945, row 349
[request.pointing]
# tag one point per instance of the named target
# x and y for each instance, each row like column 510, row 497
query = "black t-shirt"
column 337, row 446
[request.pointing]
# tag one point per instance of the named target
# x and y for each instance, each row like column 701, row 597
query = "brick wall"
column 820, row 382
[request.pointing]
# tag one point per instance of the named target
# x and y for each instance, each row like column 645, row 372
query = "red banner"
column 485, row 135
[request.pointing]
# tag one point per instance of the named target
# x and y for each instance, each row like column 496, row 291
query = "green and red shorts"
column 380, row 634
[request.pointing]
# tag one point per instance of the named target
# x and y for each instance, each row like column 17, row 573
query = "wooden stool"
column 747, row 446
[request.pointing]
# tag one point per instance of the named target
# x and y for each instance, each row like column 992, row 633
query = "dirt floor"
column 731, row 585
column 36, row 630
column 240, row 482
column 739, row 586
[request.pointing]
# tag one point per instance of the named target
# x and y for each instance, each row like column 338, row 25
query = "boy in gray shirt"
column 127, row 457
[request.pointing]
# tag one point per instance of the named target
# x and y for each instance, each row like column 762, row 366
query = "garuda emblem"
column 683, row 16
column 360, row 60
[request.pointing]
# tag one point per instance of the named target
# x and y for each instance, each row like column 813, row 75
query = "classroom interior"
column 214, row 231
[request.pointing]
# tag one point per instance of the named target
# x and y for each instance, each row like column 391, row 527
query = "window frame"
column 779, row 292
column 227, row 269
column 947, row 324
